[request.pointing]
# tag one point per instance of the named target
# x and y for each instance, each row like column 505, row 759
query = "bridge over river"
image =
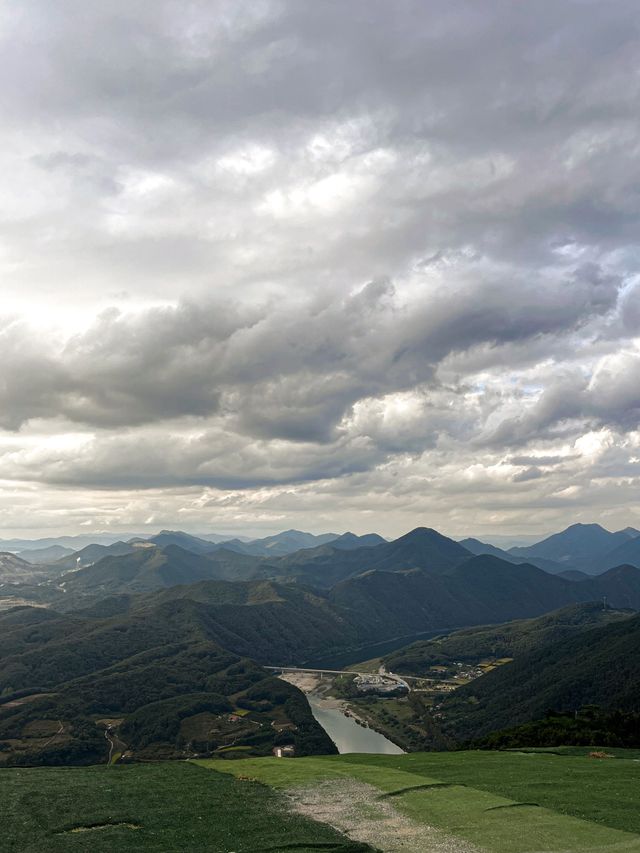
column 401, row 680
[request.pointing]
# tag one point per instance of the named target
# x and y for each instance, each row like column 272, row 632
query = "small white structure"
column 380, row 684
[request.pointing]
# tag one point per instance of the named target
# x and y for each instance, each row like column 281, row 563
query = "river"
column 347, row 735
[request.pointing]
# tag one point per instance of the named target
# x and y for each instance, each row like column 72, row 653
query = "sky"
column 306, row 263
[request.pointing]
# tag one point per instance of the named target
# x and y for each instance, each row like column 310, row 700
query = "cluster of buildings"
column 381, row 685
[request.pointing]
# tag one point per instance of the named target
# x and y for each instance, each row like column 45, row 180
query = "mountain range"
column 150, row 622
column 430, row 579
column 586, row 548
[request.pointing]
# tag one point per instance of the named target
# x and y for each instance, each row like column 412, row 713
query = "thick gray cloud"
column 368, row 264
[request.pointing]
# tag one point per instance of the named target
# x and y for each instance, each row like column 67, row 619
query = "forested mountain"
column 419, row 582
column 324, row 567
column 151, row 638
column 148, row 568
column 481, row 590
column 506, row 640
column 600, row 666
column 151, row 674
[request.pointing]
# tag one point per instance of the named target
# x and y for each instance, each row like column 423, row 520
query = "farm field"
column 468, row 801
column 165, row 807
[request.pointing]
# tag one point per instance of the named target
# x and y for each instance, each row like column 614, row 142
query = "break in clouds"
column 340, row 265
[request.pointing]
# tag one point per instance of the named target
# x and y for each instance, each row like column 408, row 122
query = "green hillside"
column 508, row 640
column 157, row 677
column 465, row 801
column 152, row 808
column 600, row 666
column 146, row 569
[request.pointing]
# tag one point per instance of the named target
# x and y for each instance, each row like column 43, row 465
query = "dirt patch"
column 96, row 827
column 305, row 681
column 356, row 809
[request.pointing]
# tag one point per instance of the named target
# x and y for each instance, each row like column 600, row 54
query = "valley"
column 156, row 653
column 165, row 642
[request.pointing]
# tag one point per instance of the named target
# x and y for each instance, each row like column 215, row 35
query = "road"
column 399, row 678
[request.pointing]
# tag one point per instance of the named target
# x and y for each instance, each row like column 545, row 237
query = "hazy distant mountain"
column 477, row 547
column 573, row 575
column 279, row 544
column 350, row 541
column 628, row 552
column 182, row 540
column 92, row 553
column 142, row 566
column 329, row 564
column 74, row 543
column 146, row 569
column 579, row 546
column 13, row 569
column 216, row 538
column 38, row 556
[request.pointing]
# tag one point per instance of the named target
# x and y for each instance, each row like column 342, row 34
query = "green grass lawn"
column 506, row 802
column 503, row 802
column 163, row 808
column 606, row 792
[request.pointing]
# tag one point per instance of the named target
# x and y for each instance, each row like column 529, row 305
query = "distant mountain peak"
column 422, row 533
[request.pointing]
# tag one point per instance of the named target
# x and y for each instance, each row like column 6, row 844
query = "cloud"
column 320, row 249
column 282, row 370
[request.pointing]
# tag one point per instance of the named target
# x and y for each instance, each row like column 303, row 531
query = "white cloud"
column 189, row 219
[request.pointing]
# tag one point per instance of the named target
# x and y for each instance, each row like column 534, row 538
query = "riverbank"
column 318, row 687
column 350, row 731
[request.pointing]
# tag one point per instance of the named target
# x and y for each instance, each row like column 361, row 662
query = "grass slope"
column 505, row 803
column 159, row 807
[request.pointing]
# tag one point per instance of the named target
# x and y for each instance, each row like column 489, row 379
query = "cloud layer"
column 363, row 265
